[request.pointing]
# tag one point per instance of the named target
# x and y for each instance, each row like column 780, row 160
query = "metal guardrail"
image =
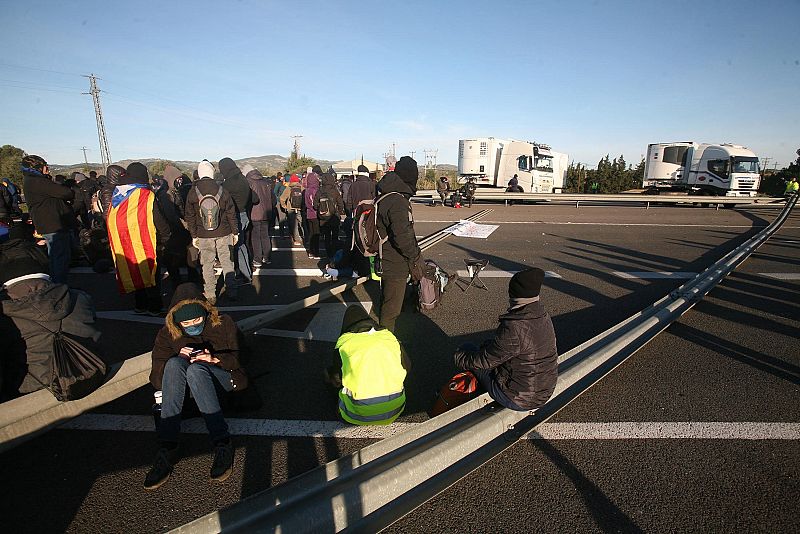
column 30, row 415
column 372, row 488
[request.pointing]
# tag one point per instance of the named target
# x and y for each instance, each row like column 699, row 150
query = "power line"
column 98, row 112
column 38, row 69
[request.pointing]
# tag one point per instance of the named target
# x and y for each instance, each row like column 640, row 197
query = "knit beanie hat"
column 138, row 172
column 526, row 284
column 354, row 314
column 407, row 169
column 362, row 170
column 18, row 267
column 190, row 311
column 205, row 169
column 294, row 179
column 316, row 169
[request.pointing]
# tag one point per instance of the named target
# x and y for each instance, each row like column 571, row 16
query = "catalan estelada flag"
column 132, row 235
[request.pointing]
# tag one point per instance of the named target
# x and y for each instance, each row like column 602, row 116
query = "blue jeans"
column 241, row 254
column 488, row 381
column 203, row 380
column 59, row 249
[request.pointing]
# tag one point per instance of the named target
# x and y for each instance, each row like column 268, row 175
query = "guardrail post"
column 647, row 207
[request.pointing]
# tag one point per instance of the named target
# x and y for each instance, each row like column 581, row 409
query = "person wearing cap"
column 370, row 368
column 401, row 253
column 38, row 307
column 216, row 243
column 197, row 348
column 51, row 212
column 519, row 365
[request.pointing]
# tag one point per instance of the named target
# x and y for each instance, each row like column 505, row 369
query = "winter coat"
column 220, row 336
column 442, row 186
column 261, row 187
column 114, row 177
column 228, row 220
column 329, row 190
column 396, row 221
column 312, row 186
column 236, row 184
column 18, row 249
column 179, row 237
column 523, row 355
column 344, row 187
column 48, row 203
column 39, row 308
column 6, row 204
column 362, row 189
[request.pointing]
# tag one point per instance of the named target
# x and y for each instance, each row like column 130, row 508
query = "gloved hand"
column 418, row 268
column 234, row 239
column 196, row 242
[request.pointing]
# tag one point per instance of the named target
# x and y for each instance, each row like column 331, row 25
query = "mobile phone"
column 195, row 352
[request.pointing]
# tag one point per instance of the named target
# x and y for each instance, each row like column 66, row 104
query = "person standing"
column 363, row 188
column 292, row 201
column 443, row 188
column 280, row 212
column 212, row 223
column 329, row 206
column 52, row 215
column 312, row 186
column 401, row 253
column 236, row 184
column 260, row 217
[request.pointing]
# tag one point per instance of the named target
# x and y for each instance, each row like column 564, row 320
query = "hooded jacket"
column 312, row 186
column 228, row 221
column 363, row 188
column 114, row 176
column 236, row 184
column 6, row 204
column 396, row 221
column 261, row 187
column 522, row 353
column 38, row 308
column 329, row 190
column 48, row 203
column 220, row 336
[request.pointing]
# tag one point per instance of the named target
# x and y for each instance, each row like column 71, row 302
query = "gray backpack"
column 209, row 209
column 432, row 286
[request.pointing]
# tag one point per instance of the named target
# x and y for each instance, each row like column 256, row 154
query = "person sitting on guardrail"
column 442, row 187
column 198, row 348
column 519, row 366
column 370, row 368
column 791, row 187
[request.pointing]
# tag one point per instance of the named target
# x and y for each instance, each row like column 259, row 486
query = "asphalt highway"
column 732, row 359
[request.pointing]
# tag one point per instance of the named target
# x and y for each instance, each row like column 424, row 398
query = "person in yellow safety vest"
column 791, row 187
column 370, row 368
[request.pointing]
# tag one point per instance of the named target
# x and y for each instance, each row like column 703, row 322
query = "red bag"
column 458, row 390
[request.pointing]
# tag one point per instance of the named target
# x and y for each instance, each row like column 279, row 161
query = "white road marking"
column 549, row 431
column 287, row 272
column 495, row 273
column 645, row 275
column 782, row 276
column 325, row 326
column 568, row 223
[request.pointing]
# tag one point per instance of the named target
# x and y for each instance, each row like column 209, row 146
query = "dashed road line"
column 648, row 275
column 497, row 273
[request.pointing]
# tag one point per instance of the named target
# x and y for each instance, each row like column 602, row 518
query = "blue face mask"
column 195, row 329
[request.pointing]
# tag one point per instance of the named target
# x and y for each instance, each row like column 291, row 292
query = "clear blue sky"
column 202, row 79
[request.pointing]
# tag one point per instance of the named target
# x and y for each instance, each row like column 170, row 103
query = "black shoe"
column 222, row 466
column 162, row 468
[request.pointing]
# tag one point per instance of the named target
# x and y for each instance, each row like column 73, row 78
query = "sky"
column 208, row 79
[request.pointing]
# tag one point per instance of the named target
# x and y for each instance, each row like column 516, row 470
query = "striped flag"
column 132, row 235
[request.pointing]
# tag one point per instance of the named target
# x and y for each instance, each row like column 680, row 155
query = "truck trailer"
column 702, row 169
column 492, row 162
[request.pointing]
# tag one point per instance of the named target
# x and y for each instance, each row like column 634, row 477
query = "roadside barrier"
column 25, row 417
column 373, row 487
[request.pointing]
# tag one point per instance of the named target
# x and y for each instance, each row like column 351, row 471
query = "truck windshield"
column 544, row 164
column 747, row 165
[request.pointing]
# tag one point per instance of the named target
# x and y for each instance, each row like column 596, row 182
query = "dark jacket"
column 523, row 355
column 48, row 203
column 362, row 189
column 396, row 221
column 442, row 186
column 236, row 184
column 17, row 250
column 179, row 237
column 39, row 308
column 329, row 190
column 114, row 177
column 344, row 187
column 312, row 186
column 228, row 220
column 220, row 336
column 160, row 220
column 7, row 210
column 264, row 190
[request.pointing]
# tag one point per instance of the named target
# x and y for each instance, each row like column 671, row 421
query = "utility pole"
column 85, row 159
column 412, row 152
column 766, row 165
column 296, row 148
column 391, row 159
column 430, row 159
column 101, row 129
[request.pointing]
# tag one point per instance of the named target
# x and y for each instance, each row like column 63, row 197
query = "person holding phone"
column 198, row 348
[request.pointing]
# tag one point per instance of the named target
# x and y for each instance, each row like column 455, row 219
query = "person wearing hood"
column 260, row 216
column 330, row 210
column 215, row 231
column 51, row 212
column 236, row 184
column 291, row 201
column 115, row 175
column 197, row 348
column 176, row 249
column 519, row 365
column 7, row 211
column 38, row 307
column 401, row 253
column 281, row 216
column 312, row 220
column 443, row 188
column 370, row 368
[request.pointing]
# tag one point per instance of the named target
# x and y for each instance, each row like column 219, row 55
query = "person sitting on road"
column 198, row 348
column 519, row 366
column 370, row 368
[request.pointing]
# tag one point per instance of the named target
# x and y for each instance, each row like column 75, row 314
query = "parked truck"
column 492, row 162
column 702, row 169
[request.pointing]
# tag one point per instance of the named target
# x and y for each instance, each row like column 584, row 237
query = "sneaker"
column 297, row 243
column 222, row 465
column 162, row 468
column 256, row 265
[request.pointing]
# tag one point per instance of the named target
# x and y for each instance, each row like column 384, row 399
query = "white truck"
column 702, row 169
column 492, row 162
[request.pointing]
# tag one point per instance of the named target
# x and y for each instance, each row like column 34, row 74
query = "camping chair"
column 474, row 268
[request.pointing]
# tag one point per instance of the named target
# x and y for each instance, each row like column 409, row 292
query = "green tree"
column 157, row 167
column 298, row 163
column 10, row 159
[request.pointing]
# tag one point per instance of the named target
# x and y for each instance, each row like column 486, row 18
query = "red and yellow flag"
column 132, row 235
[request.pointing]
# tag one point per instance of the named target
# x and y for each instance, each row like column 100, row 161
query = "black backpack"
column 325, row 210
column 75, row 371
column 296, row 198
column 209, row 209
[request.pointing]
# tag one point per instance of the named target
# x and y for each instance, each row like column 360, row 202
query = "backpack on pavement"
column 432, row 286
column 75, row 371
column 209, row 209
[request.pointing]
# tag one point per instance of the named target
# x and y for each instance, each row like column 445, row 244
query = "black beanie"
column 362, row 168
column 354, row 314
column 526, row 284
column 138, row 173
column 22, row 265
column 407, row 169
column 316, row 169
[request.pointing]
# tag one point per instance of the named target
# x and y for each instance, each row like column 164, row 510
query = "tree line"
column 610, row 176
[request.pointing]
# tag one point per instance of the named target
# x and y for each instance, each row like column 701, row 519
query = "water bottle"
column 157, row 408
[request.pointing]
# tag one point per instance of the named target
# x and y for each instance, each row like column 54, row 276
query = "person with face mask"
column 198, row 348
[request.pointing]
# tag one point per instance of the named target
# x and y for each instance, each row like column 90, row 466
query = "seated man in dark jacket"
column 198, row 348
column 519, row 366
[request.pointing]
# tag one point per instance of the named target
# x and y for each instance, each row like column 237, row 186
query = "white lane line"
column 494, row 273
column 288, row 272
column 325, row 326
column 129, row 316
column 646, row 275
column 782, row 276
column 569, row 223
column 667, row 430
column 551, row 431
